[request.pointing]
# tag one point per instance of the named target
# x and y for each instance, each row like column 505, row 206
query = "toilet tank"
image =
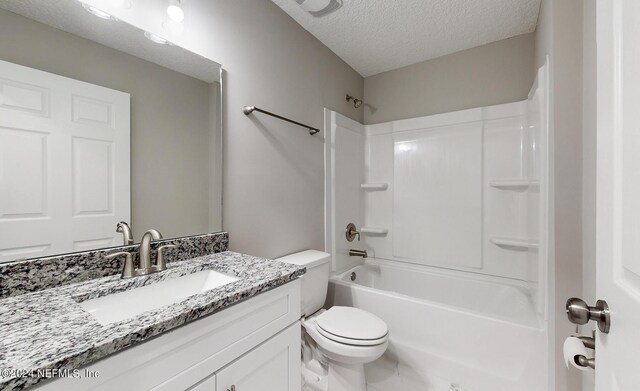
column 315, row 281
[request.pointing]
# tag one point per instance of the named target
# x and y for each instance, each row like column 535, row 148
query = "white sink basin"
column 125, row 305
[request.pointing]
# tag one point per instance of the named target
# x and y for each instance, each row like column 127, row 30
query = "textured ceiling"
column 70, row 16
column 375, row 36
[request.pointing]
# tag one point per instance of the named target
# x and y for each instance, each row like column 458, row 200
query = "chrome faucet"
column 125, row 230
column 144, row 254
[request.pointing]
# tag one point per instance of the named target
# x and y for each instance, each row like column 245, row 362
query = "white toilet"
column 346, row 337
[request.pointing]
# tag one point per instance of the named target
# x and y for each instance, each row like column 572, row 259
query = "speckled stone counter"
column 31, row 275
column 49, row 330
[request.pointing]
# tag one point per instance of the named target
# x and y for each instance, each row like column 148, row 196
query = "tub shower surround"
column 32, row 275
column 48, row 329
column 453, row 209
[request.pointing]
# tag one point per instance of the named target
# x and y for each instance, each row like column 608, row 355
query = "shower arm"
column 357, row 103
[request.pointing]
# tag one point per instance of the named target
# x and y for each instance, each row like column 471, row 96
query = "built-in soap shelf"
column 374, row 231
column 374, row 186
column 514, row 243
column 514, row 184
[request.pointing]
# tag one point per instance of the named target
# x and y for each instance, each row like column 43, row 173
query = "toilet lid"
column 352, row 325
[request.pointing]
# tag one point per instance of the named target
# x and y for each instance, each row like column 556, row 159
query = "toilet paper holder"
column 589, row 342
column 583, row 361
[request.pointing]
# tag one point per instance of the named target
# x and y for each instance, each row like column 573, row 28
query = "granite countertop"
column 49, row 330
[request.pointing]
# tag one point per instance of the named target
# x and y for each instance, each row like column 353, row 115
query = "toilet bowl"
column 351, row 339
column 346, row 338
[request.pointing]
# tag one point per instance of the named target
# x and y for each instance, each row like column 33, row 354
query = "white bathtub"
column 448, row 329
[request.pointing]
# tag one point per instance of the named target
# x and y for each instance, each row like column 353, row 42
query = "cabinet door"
column 272, row 366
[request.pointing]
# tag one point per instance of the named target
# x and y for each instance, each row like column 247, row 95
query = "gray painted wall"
column 170, row 121
column 273, row 172
column 491, row 74
column 560, row 34
column 273, row 200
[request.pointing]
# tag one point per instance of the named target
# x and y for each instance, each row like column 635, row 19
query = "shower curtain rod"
column 250, row 109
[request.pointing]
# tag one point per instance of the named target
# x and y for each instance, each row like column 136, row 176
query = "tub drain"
column 353, row 276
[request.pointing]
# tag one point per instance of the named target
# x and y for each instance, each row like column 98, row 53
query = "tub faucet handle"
column 352, row 232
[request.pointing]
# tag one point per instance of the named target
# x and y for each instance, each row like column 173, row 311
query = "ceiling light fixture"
column 155, row 38
column 319, row 8
column 174, row 17
column 175, row 11
column 99, row 13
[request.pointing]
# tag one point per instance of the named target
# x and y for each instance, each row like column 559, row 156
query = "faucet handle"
column 351, row 232
column 161, row 262
column 128, row 271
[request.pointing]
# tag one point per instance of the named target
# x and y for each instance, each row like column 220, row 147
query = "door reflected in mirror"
column 100, row 125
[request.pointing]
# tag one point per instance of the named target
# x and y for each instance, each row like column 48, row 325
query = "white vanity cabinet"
column 207, row 384
column 270, row 366
column 250, row 346
column 274, row 365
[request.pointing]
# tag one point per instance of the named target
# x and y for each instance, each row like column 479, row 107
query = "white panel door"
column 64, row 163
column 272, row 366
column 618, row 193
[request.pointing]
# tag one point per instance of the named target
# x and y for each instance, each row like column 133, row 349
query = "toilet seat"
column 352, row 326
column 347, row 341
column 342, row 352
column 345, row 357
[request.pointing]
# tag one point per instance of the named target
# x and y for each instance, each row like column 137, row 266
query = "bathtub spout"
column 358, row 253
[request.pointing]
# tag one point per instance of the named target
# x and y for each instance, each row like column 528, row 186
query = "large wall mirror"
column 100, row 123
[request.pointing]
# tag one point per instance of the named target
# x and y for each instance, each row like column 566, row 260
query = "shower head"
column 356, row 102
